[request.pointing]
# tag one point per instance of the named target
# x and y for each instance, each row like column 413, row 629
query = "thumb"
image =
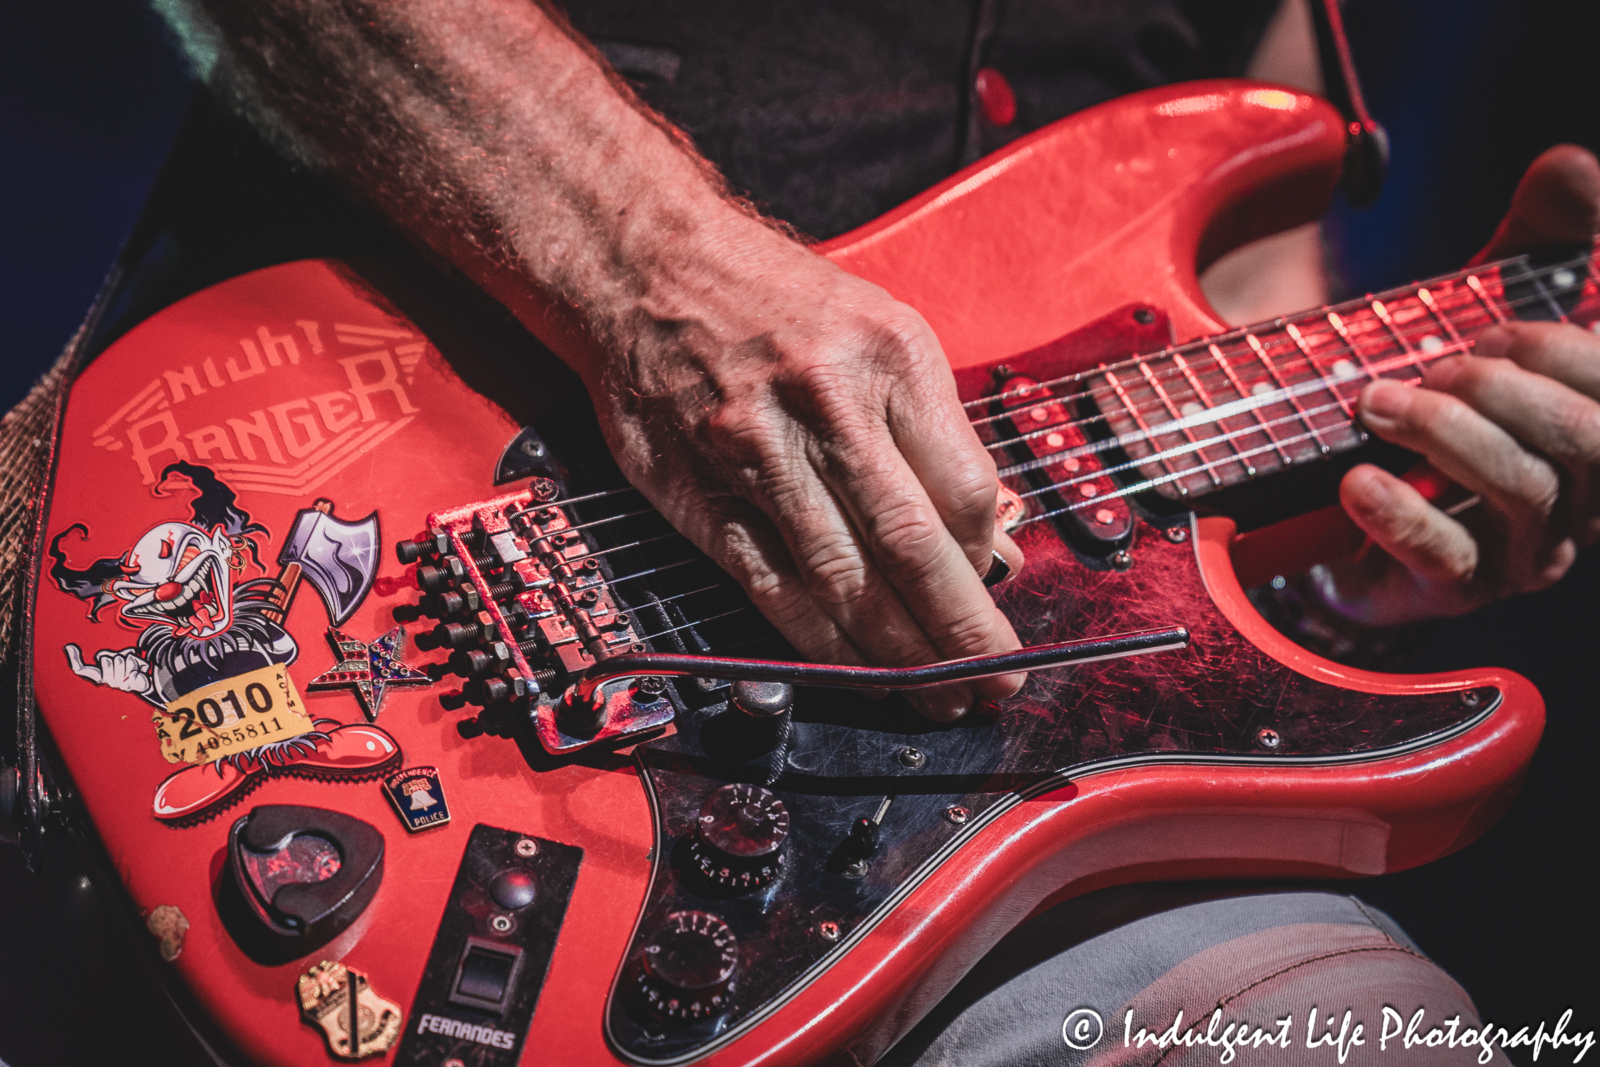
column 82, row 670
column 1557, row 202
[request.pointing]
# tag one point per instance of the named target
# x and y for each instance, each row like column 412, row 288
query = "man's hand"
column 796, row 422
column 802, row 427
column 1515, row 423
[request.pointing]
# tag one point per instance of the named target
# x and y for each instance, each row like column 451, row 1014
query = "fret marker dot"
column 1260, row 388
column 1055, row 440
column 1191, row 409
column 1088, row 489
column 1071, row 464
column 1563, row 278
column 1432, row 344
column 1345, row 369
column 1039, row 414
column 1105, row 516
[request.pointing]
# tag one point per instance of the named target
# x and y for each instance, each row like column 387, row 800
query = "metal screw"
column 1176, row 534
column 653, row 685
column 958, row 815
column 828, row 931
column 543, row 490
column 1471, row 699
column 1267, row 737
column 527, row 848
column 708, row 684
column 911, row 757
column 500, row 924
column 1122, row 560
column 857, row 869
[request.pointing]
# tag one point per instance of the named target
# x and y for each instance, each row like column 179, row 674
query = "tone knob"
column 739, row 840
column 686, row 971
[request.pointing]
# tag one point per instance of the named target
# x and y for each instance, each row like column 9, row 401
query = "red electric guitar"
column 538, row 786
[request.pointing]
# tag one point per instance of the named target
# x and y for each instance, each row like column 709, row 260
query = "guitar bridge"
column 528, row 607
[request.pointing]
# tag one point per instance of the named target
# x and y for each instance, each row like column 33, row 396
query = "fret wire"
column 1238, row 387
column 1205, row 398
column 1337, row 322
column 1380, row 310
column 1433, row 307
column 1477, row 287
column 1139, row 420
column 1294, row 333
column 1266, row 361
column 1173, row 411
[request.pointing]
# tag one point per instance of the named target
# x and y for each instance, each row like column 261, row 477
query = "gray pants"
column 1075, row 987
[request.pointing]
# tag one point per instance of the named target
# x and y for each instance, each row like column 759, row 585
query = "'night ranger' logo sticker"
column 418, row 797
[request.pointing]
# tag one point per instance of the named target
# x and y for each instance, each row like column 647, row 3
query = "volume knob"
column 686, row 971
column 740, row 837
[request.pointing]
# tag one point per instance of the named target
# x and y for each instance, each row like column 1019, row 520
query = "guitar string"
column 1292, row 350
column 1321, row 383
column 1211, row 415
column 1356, row 305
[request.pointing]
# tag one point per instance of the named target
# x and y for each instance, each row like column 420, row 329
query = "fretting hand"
column 1516, row 423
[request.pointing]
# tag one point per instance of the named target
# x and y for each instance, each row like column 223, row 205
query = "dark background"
column 91, row 96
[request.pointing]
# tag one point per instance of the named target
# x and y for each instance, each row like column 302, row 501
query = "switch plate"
column 456, row 1014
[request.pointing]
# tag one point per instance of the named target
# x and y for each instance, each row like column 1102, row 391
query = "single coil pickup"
column 1062, row 471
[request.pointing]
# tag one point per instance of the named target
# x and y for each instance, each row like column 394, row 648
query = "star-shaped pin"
column 369, row 668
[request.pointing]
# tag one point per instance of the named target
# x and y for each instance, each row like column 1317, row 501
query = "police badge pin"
column 355, row 1021
column 418, row 797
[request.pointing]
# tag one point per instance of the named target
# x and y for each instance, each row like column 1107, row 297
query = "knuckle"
column 909, row 541
column 835, row 572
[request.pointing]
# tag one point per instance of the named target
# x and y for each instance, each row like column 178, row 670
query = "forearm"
column 492, row 134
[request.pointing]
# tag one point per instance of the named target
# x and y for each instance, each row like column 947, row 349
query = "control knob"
column 686, row 971
column 740, row 836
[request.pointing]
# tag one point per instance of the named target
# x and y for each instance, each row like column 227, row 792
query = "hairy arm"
column 794, row 421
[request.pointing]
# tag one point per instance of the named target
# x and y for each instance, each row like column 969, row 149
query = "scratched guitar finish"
column 775, row 890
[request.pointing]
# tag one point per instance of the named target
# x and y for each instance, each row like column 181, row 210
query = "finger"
column 933, row 433
column 746, row 544
column 81, row 669
column 1537, row 409
column 1463, row 444
column 908, row 543
column 843, row 577
column 1557, row 202
column 1566, row 353
column 1402, row 522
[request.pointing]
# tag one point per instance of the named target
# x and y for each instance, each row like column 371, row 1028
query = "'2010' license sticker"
column 232, row 715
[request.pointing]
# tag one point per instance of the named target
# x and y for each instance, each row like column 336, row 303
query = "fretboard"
column 1202, row 416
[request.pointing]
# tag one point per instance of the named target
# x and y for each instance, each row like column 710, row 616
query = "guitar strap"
column 1366, row 159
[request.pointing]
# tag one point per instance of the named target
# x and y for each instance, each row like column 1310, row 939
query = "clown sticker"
column 212, row 654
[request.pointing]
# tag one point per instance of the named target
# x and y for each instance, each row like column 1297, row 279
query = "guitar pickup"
column 1061, row 465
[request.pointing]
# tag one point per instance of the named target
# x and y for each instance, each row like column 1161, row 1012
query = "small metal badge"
column 418, row 797
column 371, row 668
column 326, row 1001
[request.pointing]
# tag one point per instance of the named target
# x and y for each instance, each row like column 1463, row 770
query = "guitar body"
column 218, row 425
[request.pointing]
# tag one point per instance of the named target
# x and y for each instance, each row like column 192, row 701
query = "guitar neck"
column 1212, row 413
